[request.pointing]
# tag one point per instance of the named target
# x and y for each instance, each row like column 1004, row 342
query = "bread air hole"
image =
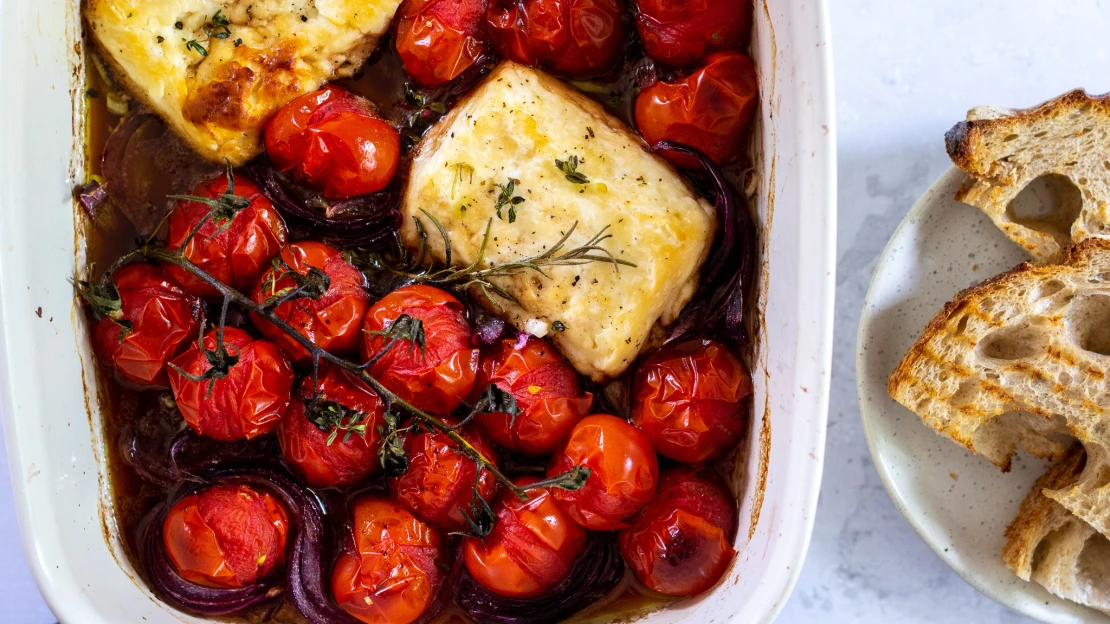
column 1087, row 323
column 1024, row 340
column 1049, row 204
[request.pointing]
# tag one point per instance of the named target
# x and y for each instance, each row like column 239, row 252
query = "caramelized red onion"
column 363, row 220
column 728, row 274
column 594, row 575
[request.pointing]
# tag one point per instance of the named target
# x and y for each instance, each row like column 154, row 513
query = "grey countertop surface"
column 906, row 70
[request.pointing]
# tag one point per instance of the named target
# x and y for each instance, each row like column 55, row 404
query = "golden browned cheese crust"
column 219, row 100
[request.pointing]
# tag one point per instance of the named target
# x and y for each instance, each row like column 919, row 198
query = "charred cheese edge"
column 220, row 103
column 514, row 126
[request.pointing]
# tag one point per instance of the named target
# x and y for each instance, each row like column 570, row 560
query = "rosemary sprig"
column 569, row 167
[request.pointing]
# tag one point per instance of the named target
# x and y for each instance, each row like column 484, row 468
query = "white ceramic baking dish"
column 53, row 426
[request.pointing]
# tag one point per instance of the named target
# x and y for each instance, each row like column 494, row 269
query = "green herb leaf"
column 569, row 167
column 507, row 198
column 192, row 44
column 559, row 326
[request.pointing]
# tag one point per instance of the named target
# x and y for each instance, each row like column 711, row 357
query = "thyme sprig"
column 508, row 199
column 569, row 167
column 219, row 27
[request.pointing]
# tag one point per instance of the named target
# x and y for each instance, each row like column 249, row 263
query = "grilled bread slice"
column 1063, row 143
column 1019, row 360
column 217, row 70
column 1046, row 543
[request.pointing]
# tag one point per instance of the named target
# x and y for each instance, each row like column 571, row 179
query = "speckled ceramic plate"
column 960, row 504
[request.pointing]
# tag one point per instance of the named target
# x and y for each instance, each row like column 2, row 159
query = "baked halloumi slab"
column 217, row 80
column 513, row 127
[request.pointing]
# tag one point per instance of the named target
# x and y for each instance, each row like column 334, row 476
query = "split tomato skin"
column 332, row 321
column 395, row 568
column 532, row 548
column 304, row 445
column 681, row 543
column 709, row 110
column 439, row 483
column 237, row 255
column 250, row 401
column 546, row 390
column 334, row 141
column 688, row 399
column 684, row 32
column 623, row 472
column 157, row 319
column 438, row 377
column 226, row 536
column 440, row 39
column 574, row 38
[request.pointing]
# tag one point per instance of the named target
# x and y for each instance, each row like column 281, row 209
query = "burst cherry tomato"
column 439, row 484
column 226, row 535
column 623, row 471
column 545, row 388
column 246, row 402
column 532, row 548
column 436, row 376
column 334, row 141
column 235, row 253
column 681, row 543
column 330, row 321
column 395, row 570
column 709, row 110
column 440, row 39
column 688, row 400
column 155, row 320
column 314, row 434
column 575, row 38
column 684, row 32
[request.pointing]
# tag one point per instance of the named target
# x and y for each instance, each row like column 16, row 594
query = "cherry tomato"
column 308, row 426
column 226, row 535
column 709, row 110
column 623, row 471
column 683, row 32
column 155, row 321
column 546, row 390
column 235, row 253
column 436, row 376
column 532, row 548
column 330, row 321
column 574, row 38
column 335, row 142
column 688, row 400
column 247, row 402
column 440, row 39
column 439, row 484
column 395, row 570
column 681, row 543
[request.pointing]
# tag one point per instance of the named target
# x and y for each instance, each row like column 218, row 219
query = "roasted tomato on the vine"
column 331, row 436
column 330, row 317
column 154, row 320
column 709, row 110
column 335, row 142
column 246, row 400
column 623, row 471
column 681, row 543
column 226, row 535
column 574, row 38
column 431, row 363
column 241, row 233
column 545, row 388
column 532, row 548
column 438, row 486
column 440, row 39
column 683, row 32
column 688, row 400
column 394, row 572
